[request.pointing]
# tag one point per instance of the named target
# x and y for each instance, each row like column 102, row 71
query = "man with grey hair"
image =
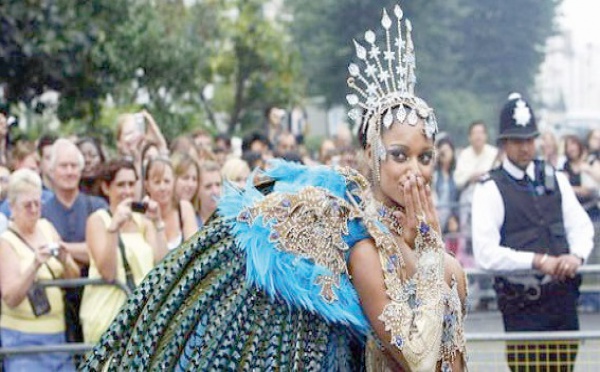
column 68, row 211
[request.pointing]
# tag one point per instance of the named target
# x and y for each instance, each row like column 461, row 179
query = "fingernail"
column 419, row 181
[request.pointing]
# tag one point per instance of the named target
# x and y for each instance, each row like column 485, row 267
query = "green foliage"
column 164, row 51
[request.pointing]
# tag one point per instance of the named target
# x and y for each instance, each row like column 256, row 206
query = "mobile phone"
column 140, row 122
column 139, row 207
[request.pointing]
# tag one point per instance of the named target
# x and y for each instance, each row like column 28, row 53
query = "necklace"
column 386, row 215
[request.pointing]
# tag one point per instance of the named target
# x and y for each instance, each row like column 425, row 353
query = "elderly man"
column 68, row 211
column 526, row 216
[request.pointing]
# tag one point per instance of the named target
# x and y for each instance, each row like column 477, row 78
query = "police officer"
column 526, row 216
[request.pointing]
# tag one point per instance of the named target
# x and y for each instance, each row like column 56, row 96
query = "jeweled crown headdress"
column 385, row 87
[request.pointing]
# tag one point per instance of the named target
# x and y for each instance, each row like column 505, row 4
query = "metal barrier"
column 487, row 342
column 486, row 349
column 71, row 348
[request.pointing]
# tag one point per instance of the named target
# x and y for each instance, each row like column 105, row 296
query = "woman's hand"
column 153, row 210
column 121, row 215
column 419, row 208
column 42, row 255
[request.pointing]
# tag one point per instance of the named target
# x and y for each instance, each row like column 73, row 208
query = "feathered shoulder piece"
column 297, row 237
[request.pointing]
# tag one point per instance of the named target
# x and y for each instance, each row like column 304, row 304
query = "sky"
column 582, row 18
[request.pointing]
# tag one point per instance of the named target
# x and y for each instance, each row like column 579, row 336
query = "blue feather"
column 284, row 275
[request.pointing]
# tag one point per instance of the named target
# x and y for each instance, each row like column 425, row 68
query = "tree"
column 52, row 44
column 470, row 53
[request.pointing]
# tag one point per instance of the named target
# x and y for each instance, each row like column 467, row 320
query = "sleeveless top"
column 100, row 304
column 21, row 318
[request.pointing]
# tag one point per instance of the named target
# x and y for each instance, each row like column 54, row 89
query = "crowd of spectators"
column 114, row 213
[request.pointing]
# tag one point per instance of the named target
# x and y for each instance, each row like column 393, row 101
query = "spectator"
column 31, row 250
column 43, row 147
column 133, row 131
column 24, row 155
column 123, row 246
column 527, row 216
column 202, row 139
column 443, row 181
column 327, row 152
column 593, row 144
column 236, row 171
column 472, row 163
column 4, row 177
column 68, row 209
column 223, row 143
column 210, row 189
column 274, row 117
column 254, row 160
column 343, row 137
column 187, row 185
column 94, row 157
column 549, row 150
column 579, row 172
column 178, row 215
column 257, row 142
column 285, row 142
column 4, row 134
column 222, row 148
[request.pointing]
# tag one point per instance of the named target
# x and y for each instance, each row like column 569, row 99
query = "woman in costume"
column 310, row 268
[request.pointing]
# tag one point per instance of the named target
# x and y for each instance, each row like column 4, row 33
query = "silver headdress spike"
column 384, row 85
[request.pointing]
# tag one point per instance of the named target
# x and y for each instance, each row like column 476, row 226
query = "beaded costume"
column 265, row 285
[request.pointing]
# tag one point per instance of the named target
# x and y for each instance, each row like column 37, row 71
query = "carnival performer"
column 314, row 265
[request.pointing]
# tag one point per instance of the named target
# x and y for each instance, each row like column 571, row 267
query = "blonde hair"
column 182, row 162
column 20, row 181
column 20, row 151
column 233, row 167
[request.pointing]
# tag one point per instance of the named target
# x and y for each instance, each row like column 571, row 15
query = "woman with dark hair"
column 307, row 270
column 578, row 171
column 124, row 245
column 443, row 181
column 92, row 152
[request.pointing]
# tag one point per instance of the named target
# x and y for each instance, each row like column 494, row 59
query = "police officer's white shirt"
column 488, row 217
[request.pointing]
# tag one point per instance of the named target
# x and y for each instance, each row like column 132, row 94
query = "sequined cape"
column 238, row 296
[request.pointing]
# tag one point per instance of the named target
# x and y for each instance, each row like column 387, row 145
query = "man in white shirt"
column 526, row 215
column 472, row 163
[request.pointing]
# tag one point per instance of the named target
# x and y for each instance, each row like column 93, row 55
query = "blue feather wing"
column 294, row 269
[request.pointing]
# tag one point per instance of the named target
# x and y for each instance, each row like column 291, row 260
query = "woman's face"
column 122, row 187
column 445, row 154
column 160, row 185
column 594, row 140
column 409, row 152
column 28, row 206
column 210, row 190
column 186, row 185
column 572, row 150
column 91, row 156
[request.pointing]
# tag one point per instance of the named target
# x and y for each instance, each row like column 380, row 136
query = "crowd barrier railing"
column 71, row 348
column 487, row 342
column 486, row 349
